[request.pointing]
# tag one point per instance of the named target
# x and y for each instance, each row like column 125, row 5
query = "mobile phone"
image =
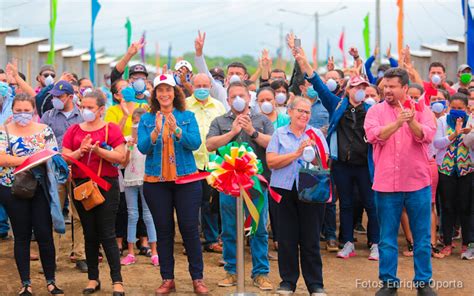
column 297, row 43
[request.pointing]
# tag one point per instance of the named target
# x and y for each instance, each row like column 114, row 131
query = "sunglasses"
column 45, row 75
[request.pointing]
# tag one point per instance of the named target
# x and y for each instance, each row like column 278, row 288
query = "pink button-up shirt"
column 401, row 161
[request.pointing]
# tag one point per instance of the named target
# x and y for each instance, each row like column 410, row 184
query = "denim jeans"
column 346, row 177
column 258, row 242
column 4, row 226
column 389, row 209
column 329, row 224
column 131, row 195
column 209, row 219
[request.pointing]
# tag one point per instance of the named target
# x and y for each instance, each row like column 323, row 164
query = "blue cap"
column 62, row 87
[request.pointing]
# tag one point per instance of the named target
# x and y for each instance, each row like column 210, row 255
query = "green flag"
column 52, row 28
column 366, row 35
column 128, row 26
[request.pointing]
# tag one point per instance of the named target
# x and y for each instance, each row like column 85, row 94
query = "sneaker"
column 347, row 251
column 263, row 283
column 386, row 291
column 128, row 260
column 229, row 281
column 221, row 262
column 331, row 246
column 81, row 265
column 155, row 260
column 284, row 290
column 359, row 228
column 468, row 254
column 318, row 292
column 374, row 252
column 447, row 250
column 425, row 291
column 214, row 248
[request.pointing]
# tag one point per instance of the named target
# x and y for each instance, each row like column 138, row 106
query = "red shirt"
column 431, row 90
column 73, row 138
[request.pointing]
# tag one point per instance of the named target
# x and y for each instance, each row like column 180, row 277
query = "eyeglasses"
column 303, row 111
column 45, row 75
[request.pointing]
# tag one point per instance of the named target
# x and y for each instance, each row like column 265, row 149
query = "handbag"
column 24, row 184
column 314, row 184
column 88, row 193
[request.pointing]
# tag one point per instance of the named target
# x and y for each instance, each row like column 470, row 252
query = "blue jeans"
column 389, row 209
column 4, row 227
column 131, row 195
column 258, row 242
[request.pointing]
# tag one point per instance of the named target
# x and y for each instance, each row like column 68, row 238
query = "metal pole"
column 377, row 30
column 282, row 42
column 240, row 243
column 316, row 33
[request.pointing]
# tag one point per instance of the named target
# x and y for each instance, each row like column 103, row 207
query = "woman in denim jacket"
column 167, row 135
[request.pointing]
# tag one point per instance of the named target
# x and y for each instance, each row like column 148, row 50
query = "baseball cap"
column 138, row 68
column 358, row 80
column 62, row 87
column 217, row 73
column 164, row 79
column 46, row 68
column 183, row 63
column 463, row 67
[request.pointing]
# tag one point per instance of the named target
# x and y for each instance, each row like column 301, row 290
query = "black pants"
column 99, row 228
column 27, row 215
column 456, row 201
column 299, row 226
column 162, row 198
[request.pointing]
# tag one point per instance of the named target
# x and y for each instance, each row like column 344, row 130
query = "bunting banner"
column 142, row 50
column 157, row 57
column 469, row 35
column 341, row 47
column 328, row 50
column 128, row 26
column 169, row 57
column 366, row 35
column 52, row 28
column 95, row 11
column 400, row 27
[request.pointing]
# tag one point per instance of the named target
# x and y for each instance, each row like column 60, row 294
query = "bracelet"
column 177, row 131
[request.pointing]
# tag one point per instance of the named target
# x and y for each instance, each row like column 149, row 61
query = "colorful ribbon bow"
column 236, row 171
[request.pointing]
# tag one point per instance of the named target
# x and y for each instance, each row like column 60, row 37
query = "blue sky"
column 233, row 27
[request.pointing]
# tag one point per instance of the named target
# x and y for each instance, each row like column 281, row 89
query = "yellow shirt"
column 114, row 114
column 205, row 114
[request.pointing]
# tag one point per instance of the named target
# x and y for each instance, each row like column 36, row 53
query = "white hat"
column 183, row 63
column 164, row 78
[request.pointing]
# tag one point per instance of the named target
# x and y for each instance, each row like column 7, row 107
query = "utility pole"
column 377, row 30
column 316, row 33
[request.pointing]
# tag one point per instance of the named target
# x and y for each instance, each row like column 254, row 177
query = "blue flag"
column 328, row 51
column 169, row 57
column 95, row 11
column 469, row 37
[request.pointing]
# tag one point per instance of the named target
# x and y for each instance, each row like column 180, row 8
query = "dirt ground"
column 341, row 277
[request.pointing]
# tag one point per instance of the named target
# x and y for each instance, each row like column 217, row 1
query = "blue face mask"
column 23, row 118
column 201, row 93
column 311, row 93
column 457, row 113
column 128, row 94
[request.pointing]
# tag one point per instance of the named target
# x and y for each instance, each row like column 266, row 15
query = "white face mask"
column 370, row 101
column 234, row 78
column 280, row 98
column 331, row 84
column 88, row 115
column 359, row 95
column 436, row 79
column 266, row 107
column 238, row 104
column 48, row 80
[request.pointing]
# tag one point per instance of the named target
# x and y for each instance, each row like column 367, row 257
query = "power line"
column 432, row 19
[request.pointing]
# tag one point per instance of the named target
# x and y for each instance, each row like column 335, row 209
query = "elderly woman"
column 299, row 223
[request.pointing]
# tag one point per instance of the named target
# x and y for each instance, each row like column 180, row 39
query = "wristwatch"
column 254, row 135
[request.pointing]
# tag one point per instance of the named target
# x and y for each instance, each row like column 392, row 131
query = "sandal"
column 24, row 290
column 409, row 252
column 436, row 253
column 117, row 293
column 55, row 290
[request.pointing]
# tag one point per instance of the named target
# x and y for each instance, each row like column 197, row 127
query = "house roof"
column 441, row 47
column 74, row 53
column 57, row 47
column 22, row 41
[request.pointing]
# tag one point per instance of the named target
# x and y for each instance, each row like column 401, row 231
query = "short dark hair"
column 24, row 98
column 437, row 64
column 463, row 91
column 266, row 88
column 402, row 75
column 417, row 86
column 237, row 84
column 377, row 89
column 2, row 71
column 276, row 70
column 249, row 82
column 98, row 95
column 82, row 79
column 461, row 97
column 178, row 101
column 276, row 84
column 340, row 72
column 22, row 75
column 237, row 65
column 383, row 68
column 445, row 93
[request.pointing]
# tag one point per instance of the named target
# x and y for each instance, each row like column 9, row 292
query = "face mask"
column 177, row 79
column 57, row 103
column 309, row 154
column 380, row 74
column 234, row 78
column 280, row 98
column 88, row 115
column 437, row 107
column 4, row 90
column 75, row 99
column 370, row 101
column 48, row 80
column 457, row 113
column 238, row 104
column 436, row 79
column 23, row 118
column 108, row 81
column 201, row 93
column 465, row 78
column 266, row 107
column 128, row 94
column 311, row 93
column 139, row 86
column 359, row 95
column 84, row 91
column 331, row 84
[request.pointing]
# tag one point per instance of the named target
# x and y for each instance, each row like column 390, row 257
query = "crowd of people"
column 400, row 149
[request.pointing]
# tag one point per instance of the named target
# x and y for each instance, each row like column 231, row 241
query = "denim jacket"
column 190, row 140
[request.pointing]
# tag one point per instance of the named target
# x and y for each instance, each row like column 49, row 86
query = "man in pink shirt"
column 400, row 132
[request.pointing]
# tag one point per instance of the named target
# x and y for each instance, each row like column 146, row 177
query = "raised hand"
column 199, row 43
column 135, row 47
column 266, row 61
column 389, row 51
column 330, row 65
column 354, row 52
column 376, row 52
column 290, row 40
column 67, row 77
